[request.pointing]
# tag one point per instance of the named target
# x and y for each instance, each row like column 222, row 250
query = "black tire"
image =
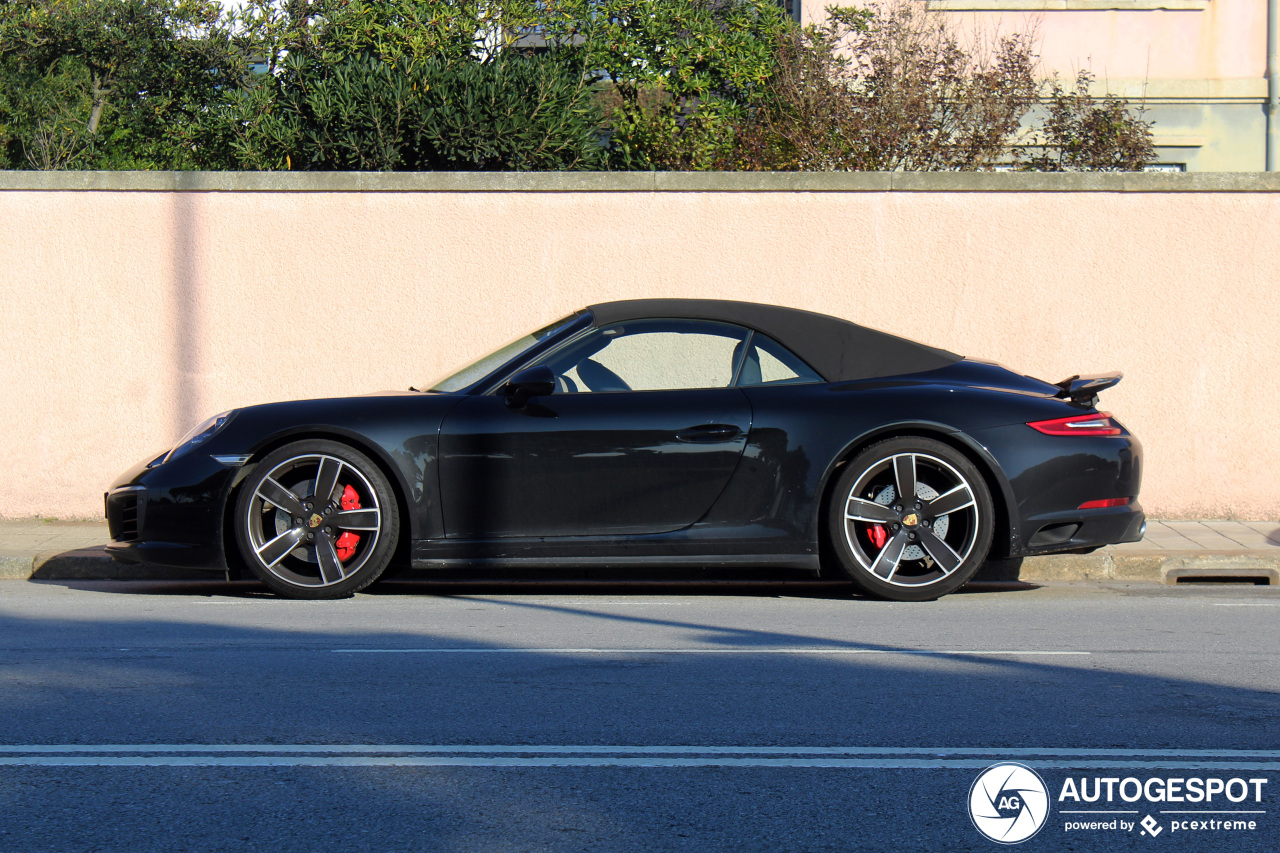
column 278, row 507
column 923, row 548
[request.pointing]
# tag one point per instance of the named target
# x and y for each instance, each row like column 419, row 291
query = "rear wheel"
column 910, row 519
column 317, row 519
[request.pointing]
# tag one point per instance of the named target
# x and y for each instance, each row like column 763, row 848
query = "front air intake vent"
column 129, row 518
column 124, row 515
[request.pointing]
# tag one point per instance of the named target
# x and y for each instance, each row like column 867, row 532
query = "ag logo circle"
column 1008, row 802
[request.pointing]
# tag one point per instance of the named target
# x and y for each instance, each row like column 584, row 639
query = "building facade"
column 1201, row 68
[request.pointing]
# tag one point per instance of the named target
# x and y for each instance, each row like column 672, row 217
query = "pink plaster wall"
column 1226, row 39
column 128, row 316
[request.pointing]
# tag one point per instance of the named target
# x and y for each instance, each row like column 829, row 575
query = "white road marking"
column 672, row 756
column 611, row 749
column 571, row 761
column 566, row 761
column 711, row 651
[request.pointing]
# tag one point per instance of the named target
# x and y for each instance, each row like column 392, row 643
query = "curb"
column 86, row 564
column 1164, row 567
column 1167, row 567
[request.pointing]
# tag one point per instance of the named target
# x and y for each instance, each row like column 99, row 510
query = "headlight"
column 199, row 435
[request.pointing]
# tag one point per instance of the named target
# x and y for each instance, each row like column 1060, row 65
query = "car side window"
column 767, row 362
column 649, row 355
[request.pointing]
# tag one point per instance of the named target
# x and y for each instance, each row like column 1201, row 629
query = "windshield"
column 477, row 370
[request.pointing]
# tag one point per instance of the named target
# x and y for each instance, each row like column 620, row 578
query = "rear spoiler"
column 1084, row 390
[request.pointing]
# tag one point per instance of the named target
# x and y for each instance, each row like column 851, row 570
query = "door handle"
column 709, row 433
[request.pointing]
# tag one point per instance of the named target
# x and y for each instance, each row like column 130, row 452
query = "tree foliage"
column 331, row 32
column 110, row 83
column 681, row 75
column 675, row 73
column 532, row 84
column 43, row 115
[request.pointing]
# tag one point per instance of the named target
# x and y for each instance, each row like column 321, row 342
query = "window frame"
column 745, row 334
column 799, row 380
column 748, row 337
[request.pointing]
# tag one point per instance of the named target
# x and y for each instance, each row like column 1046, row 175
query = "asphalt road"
column 727, row 718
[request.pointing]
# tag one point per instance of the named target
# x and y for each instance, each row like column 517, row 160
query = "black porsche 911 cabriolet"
column 663, row 432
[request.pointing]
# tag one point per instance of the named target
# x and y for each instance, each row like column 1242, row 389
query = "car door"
column 641, row 436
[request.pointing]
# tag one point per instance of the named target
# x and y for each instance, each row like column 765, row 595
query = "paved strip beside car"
column 1240, row 551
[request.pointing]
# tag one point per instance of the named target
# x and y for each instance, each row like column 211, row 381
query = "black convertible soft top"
column 837, row 349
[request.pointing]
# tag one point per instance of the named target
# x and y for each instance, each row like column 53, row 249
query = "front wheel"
column 910, row 519
column 317, row 519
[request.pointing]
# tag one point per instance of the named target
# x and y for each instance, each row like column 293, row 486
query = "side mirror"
column 531, row 382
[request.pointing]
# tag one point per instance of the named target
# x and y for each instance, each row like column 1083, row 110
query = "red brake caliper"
column 347, row 542
column 875, row 532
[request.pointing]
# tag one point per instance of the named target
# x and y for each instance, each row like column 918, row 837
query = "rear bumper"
column 1051, row 477
column 1084, row 529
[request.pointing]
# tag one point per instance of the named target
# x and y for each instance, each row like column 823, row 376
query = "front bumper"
column 172, row 514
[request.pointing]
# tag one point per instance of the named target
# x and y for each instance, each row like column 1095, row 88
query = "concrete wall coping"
column 572, row 182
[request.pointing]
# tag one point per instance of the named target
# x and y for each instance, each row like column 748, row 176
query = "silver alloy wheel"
column 926, row 537
column 295, row 517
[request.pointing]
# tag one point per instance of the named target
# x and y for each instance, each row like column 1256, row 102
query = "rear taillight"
column 1105, row 503
column 1099, row 423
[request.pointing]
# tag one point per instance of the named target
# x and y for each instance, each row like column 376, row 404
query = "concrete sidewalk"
column 50, row 549
column 1172, row 552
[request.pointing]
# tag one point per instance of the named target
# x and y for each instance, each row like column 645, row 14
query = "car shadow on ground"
column 425, row 584
column 92, row 564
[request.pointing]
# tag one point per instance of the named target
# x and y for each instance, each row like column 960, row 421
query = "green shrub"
column 1082, row 134
column 362, row 114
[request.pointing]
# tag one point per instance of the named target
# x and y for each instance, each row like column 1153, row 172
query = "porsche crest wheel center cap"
column 910, row 520
column 314, row 521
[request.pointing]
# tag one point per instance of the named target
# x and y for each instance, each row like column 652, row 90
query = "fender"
column 423, row 515
column 977, row 452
